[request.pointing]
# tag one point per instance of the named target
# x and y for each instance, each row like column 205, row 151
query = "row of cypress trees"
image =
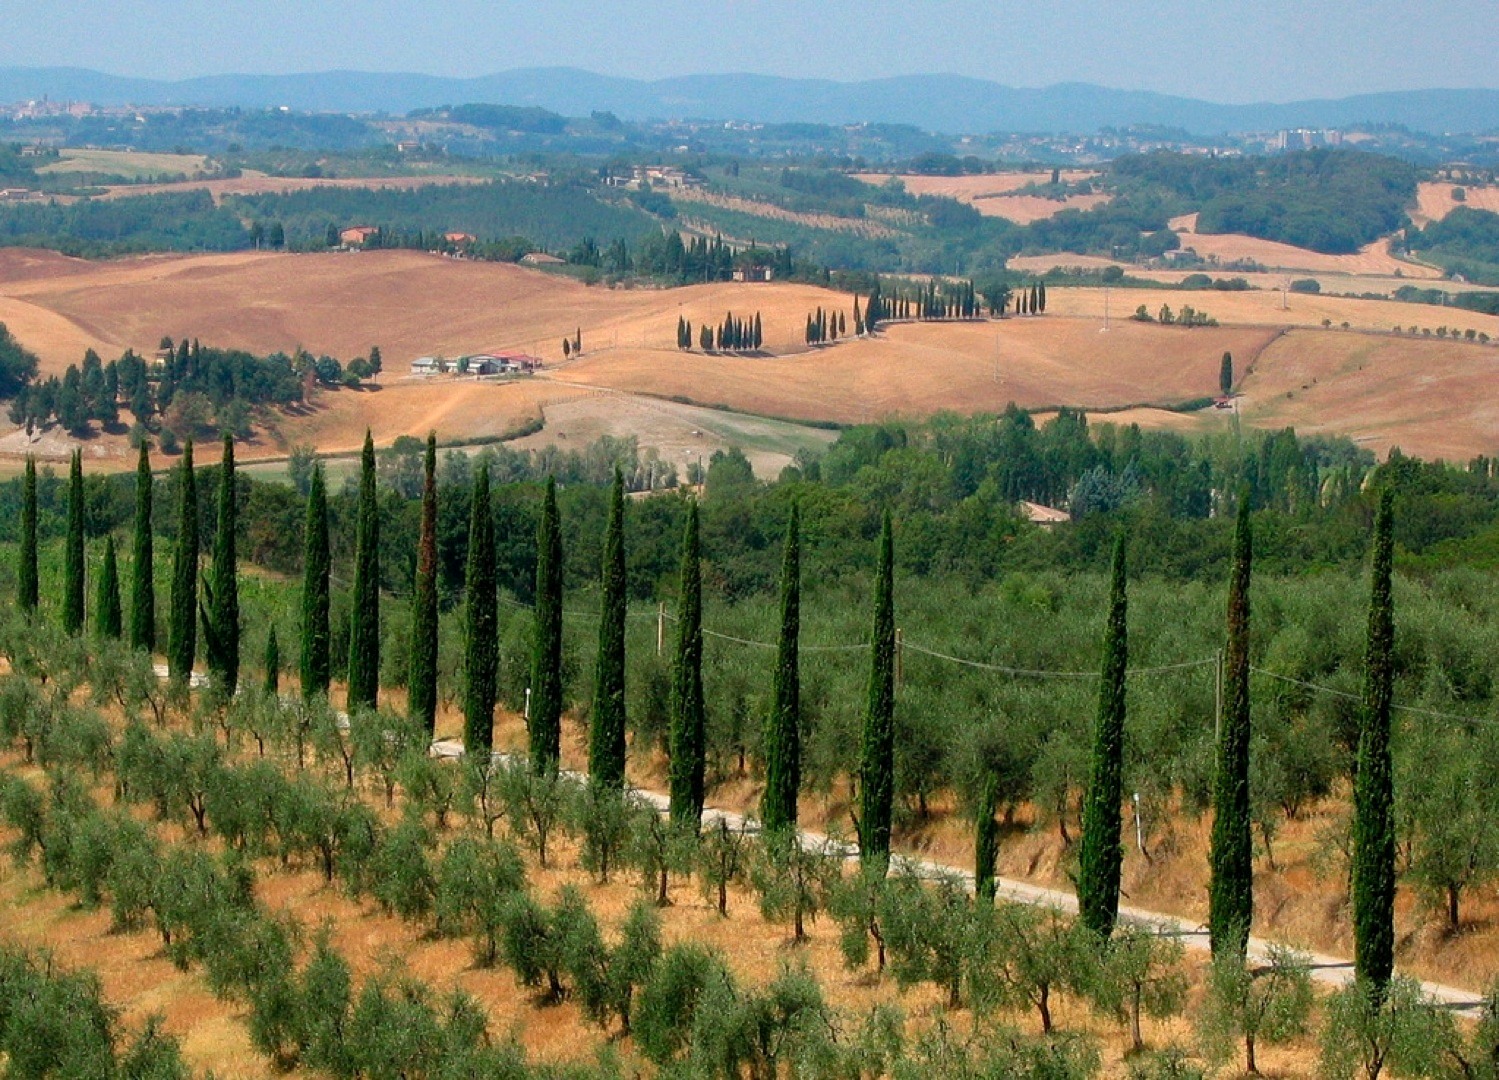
column 1231, row 882
column 219, row 609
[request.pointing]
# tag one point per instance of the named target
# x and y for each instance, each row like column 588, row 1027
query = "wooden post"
column 900, row 653
column 660, row 628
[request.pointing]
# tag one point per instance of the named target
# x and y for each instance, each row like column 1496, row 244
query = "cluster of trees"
column 191, row 390
column 1334, row 201
column 1464, row 242
column 826, row 326
column 732, row 335
column 1187, row 316
column 56, row 1023
column 944, row 299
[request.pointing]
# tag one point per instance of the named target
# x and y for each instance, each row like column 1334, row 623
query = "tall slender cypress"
column 142, row 570
column 220, row 605
column 182, row 630
column 1231, row 855
column 877, row 762
column 315, row 660
column 72, row 596
column 272, row 665
column 364, row 623
column 606, row 736
column 26, row 573
column 688, row 713
column 783, row 748
column 108, row 618
column 1102, row 853
column 986, row 838
column 545, row 728
column 421, row 681
column 481, row 622
column 1373, row 786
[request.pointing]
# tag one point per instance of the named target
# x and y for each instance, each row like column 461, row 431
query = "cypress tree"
column 606, row 737
column 783, row 749
column 26, row 572
column 1231, row 858
column 220, row 606
column 1373, row 789
column 877, row 761
column 142, row 577
column 1226, row 374
column 421, row 680
column 72, row 596
column 1102, row 854
column 481, row 622
column 108, row 619
column 272, row 665
column 316, row 661
column 182, row 630
column 986, row 839
column 546, row 654
column 688, row 719
column 364, row 623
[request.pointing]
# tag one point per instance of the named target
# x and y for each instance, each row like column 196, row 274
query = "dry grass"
column 994, row 195
column 1374, row 258
column 860, row 226
column 918, row 369
column 130, row 163
column 1428, row 397
column 1434, row 201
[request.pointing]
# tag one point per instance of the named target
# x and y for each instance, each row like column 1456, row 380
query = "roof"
column 1043, row 515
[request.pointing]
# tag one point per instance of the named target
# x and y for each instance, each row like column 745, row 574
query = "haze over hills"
column 946, row 103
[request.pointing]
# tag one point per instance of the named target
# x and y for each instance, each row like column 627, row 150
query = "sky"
column 1219, row 50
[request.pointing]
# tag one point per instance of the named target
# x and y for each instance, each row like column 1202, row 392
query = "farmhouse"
column 458, row 239
column 540, row 258
column 427, row 365
column 753, row 273
column 356, row 235
column 502, row 363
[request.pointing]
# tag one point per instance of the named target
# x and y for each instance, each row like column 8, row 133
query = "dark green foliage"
column 72, row 587
column 481, row 623
column 26, row 570
column 17, row 364
column 1231, row 852
column 364, row 624
column 142, row 576
column 688, row 716
column 1102, row 854
column 783, row 726
column 1374, row 785
column 315, row 660
column 1226, row 375
column 108, row 618
column 986, row 838
column 421, row 681
column 182, row 630
column 877, row 758
column 606, row 742
column 271, row 666
column 545, row 725
column 220, row 607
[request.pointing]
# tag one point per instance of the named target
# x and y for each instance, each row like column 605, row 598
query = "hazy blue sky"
column 1222, row 50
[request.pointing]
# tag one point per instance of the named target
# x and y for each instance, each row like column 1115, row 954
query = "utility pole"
column 900, row 657
column 1105, row 309
column 660, row 627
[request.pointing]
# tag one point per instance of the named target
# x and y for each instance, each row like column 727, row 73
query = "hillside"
column 413, row 304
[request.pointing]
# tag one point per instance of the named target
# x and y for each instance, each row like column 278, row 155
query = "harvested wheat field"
column 1425, row 396
column 1255, row 308
column 409, row 303
column 921, row 368
column 1373, row 258
column 1435, row 201
column 994, row 195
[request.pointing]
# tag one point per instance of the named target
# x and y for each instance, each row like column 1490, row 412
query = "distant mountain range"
column 945, row 103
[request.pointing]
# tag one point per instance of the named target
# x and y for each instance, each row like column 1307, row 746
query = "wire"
column 1031, row 673
column 1414, row 710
